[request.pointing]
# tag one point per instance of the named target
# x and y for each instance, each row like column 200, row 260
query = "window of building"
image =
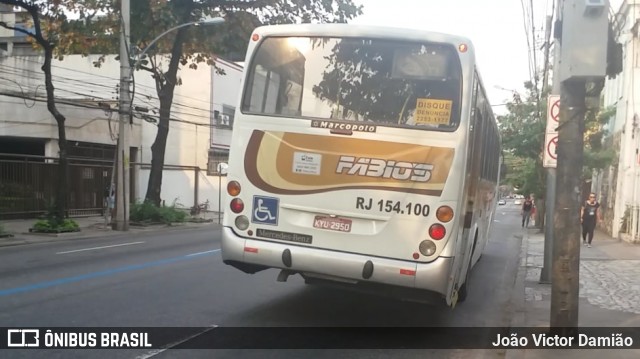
column 218, row 159
column 224, row 119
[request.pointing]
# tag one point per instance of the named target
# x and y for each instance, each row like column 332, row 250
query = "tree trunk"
column 62, row 188
column 62, row 185
column 165, row 94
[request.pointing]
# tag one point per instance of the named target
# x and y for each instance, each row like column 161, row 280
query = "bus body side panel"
column 460, row 244
column 479, row 197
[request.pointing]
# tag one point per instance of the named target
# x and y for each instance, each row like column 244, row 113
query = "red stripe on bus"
column 407, row 272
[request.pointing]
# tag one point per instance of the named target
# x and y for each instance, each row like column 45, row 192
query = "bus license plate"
column 334, row 224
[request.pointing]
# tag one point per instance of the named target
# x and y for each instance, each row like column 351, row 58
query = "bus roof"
column 352, row 30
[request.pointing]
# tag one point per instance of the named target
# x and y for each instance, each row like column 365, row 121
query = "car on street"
column 517, row 202
column 502, row 202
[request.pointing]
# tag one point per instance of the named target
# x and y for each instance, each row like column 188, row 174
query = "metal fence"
column 28, row 185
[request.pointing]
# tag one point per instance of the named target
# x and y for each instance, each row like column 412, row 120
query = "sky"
column 495, row 27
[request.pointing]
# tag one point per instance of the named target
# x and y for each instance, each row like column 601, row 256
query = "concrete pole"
column 566, row 245
column 124, row 182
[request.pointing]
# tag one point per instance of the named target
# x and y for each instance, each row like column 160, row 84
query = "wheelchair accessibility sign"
column 265, row 210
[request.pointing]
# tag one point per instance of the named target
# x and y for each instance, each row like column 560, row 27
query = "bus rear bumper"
column 251, row 256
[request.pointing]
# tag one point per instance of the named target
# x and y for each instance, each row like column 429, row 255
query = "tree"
column 39, row 10
column 523, row 138
column 596, row 156
column 188, row 46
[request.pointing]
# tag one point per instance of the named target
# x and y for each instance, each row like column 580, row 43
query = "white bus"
column 364, row 157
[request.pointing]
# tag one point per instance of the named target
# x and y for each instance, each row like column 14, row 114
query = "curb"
column 518, row 300
column 25, row 239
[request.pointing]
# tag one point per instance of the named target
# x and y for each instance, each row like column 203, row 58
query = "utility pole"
column 566, row 246
column 550, row 196
column 585, row 28
column 123, row 182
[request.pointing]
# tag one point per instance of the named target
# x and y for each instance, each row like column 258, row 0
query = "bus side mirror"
column 503, row 170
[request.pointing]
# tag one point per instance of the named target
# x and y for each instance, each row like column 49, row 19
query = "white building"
column 202, row 114
column 620, row 185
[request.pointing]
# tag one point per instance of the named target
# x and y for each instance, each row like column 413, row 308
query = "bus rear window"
column 381, row 82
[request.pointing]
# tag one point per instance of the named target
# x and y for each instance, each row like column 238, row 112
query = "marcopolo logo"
column 374, row 167
column 23, row 338
column 331, row 125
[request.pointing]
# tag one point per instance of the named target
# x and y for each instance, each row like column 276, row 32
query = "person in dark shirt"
column 589, row 216
column 527, row 206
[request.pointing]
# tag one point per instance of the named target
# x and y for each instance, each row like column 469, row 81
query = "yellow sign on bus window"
column 433, row 112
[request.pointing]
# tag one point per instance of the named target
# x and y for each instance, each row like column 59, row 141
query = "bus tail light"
column 444, row 214
column 233, row 188
column 427, row 247
column 242, row 222
column 237, row 205
column 437, row 231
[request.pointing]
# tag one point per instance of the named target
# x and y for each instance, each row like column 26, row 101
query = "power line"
column 148, row 96
column 110, row 78
column 138, row 114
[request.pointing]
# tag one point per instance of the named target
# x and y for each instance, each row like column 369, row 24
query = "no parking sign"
column 551, row 135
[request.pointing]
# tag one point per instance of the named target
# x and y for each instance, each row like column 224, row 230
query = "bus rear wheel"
column 463, row 292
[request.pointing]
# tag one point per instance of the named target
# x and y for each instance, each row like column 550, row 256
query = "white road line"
column 201, row 253
column 155, row 352
column 103, row 247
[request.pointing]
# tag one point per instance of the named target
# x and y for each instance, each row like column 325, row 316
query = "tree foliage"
column 523, row 138
column 94, row 30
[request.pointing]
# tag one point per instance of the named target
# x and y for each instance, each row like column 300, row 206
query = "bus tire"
column 463, row 292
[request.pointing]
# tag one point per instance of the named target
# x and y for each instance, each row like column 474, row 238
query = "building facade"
column 619, row 185
column 199, row 134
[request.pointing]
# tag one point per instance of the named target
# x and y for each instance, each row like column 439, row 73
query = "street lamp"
column 122, row 162
column 205, row 21
column 515, row 93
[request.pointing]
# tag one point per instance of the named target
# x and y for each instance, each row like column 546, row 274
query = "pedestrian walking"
column 110, row 201
column 589, row 217
column 527, row 207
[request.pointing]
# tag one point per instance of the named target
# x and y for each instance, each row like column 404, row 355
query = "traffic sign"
column 553, row 113
column 550, row 158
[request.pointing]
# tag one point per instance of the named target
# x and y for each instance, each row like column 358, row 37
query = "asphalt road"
column 177, row 279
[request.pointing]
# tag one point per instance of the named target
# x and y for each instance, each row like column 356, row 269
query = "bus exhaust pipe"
column 284, row 275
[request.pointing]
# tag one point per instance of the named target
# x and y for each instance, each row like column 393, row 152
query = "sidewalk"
column 609, row 293
column 90, row 227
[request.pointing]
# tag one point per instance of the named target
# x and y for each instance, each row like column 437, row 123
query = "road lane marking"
column 201, row 253
column 103, row 247
column 155, row 352
column 92, row 275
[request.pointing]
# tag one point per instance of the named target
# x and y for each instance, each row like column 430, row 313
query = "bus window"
column 275, row 87
column 389, row 83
